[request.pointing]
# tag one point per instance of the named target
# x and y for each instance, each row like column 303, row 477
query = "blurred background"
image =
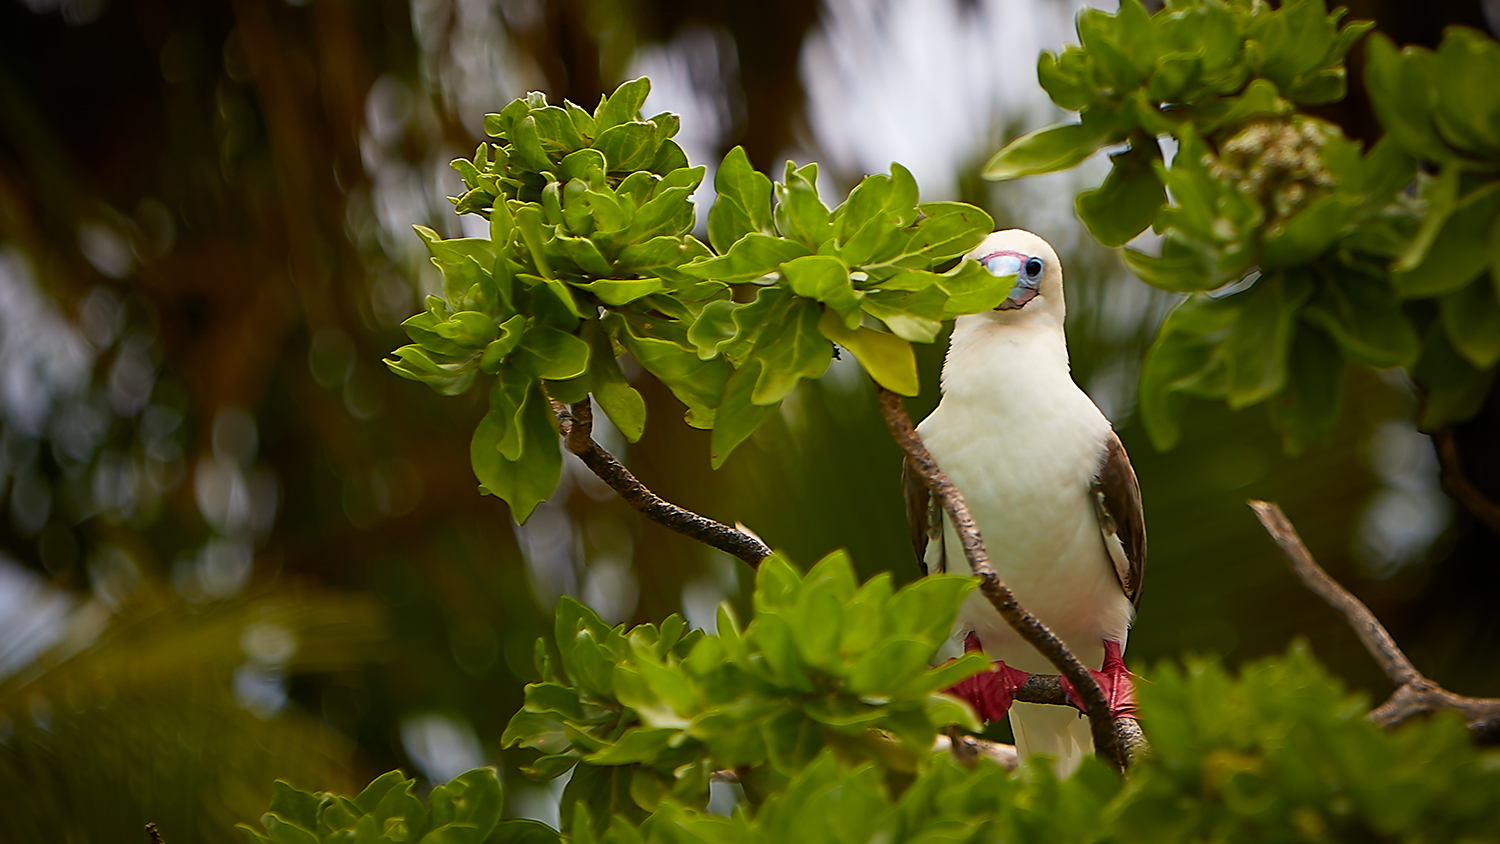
column 233, row 547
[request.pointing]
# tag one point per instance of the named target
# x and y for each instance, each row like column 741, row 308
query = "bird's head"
column 1037, row 296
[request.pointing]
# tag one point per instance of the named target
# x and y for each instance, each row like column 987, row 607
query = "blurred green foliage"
column 465, row 810
column 1339, row 256
column 1282, row 752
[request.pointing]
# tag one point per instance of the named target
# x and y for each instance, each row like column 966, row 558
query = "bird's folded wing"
column 924, row 516
column 1117, row 499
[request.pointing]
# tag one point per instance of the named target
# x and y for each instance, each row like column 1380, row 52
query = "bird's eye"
column 1033, row 267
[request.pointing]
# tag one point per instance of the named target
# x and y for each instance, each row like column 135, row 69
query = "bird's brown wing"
column 1117, row 498
column 924, row 517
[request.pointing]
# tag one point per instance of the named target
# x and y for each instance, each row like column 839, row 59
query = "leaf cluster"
column 591, row 255
column 1280, row 752
column 1300, row 251
column 647, row 715
column 464, row 811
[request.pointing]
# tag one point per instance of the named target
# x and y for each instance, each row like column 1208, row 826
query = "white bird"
column 1050, row 488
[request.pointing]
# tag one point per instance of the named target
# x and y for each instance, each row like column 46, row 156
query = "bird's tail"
column 1058, row 731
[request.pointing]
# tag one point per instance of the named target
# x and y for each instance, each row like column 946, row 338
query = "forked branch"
column 1108, row 744
column 577, row 425
column 1415, row 694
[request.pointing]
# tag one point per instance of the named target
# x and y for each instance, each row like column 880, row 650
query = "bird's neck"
column 987, row 359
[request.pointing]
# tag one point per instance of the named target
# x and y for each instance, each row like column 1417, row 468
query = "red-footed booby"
column 1051, row 490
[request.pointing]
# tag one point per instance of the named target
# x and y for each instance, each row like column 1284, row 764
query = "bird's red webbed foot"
column 1114, row 680
column 992, row 692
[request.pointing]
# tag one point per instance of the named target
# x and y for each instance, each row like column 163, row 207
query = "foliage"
column 1280, row 752
column 1299, row 251
column 465, row 810
column 590, row 254
column 130, row 716
column 647, row 715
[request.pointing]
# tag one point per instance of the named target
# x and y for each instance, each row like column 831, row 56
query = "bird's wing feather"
column 1117, row 499
column 924, row 516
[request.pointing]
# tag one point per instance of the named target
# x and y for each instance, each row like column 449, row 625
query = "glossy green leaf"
column 825, row 279
column 887, row 358
column 791, row 348
column 549, row 353
column 737, row 417
column 1127, row 202
column 1046, row 150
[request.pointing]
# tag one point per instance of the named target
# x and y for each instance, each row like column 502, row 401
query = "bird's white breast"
column 1023, row 444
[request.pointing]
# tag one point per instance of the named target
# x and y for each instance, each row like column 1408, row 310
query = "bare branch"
column 1101, row 723
column 1415, row 694
column 578, row 427
column 152, row 832
column 1458, row 485
column 1369, row 629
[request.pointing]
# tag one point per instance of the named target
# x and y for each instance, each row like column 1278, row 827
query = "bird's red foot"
column 992, row 692
column 1114, row 680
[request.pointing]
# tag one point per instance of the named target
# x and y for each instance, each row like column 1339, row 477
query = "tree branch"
column 1415, row 694
column 1458, row 485
column 577, row 426
column 1107, row 743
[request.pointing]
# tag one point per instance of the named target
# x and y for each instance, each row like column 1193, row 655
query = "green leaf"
column 617, row 291
column 472, row 798
column 1310, row 233
column 696, row 383
column 1460, row 249
column 531, row 477
column 1309, row 406
column 376, row 791
column 752, row 257
column 639, row 744
column 791, row 348
column 620, row 401
column 737, row 417
column 799, row 214
column 294, row 805
column 1046, row 150
column 946, row 230
column 1127, row 202
column 1471, row 317
column 628, row 147
column 549, row 353
column 1183, row 361
column 889, row 359
column 523, row 831
column 1453, row 389
column 1258, row 346
column 743, row 204
column 1363, row 313
column 825, row 279
column 1401, row 91
column 1467, row 112
column 623, row 105
column 713, row 327
column 603, row 792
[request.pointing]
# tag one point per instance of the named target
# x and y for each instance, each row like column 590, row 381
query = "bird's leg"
column 1114, row 680
column 992, row 692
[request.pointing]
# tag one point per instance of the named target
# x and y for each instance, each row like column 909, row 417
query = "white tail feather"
column 1058, row 731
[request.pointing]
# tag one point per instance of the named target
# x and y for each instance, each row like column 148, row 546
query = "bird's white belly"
column 1027, row 480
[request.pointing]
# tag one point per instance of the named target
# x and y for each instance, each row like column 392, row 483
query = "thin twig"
column 1101, row 722
column 1415, row 694
column 1458, row 485
column 577, row 426
column 154, row 834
